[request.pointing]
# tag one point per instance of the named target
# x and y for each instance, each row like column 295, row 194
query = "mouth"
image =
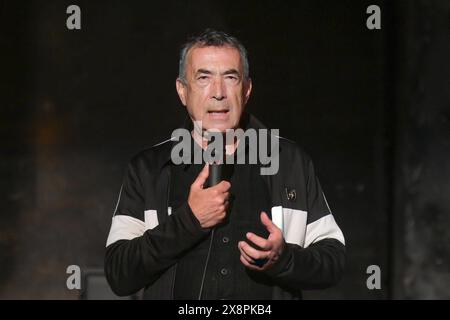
column 219, row 114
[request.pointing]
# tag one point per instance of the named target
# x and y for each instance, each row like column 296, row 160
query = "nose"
column 218, row 89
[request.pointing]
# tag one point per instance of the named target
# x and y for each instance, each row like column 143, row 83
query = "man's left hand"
column 272, row 247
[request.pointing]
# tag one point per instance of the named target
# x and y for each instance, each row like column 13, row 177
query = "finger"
column 223, row 197
column 221, row 211
column 259, row 241
column 246, row 256
column 248, row 265
column 201, row 178
column 270, row 226
column 252, row 252
column 223, row 186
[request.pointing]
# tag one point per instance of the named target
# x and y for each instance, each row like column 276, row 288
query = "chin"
column 222, row 127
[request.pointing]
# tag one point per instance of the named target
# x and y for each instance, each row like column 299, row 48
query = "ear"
column 181, row 89
column 247, row 90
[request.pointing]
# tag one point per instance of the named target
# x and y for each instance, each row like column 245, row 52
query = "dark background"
column 371, row 107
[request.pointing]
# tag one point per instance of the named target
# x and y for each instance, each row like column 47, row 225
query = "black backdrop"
column 77, row 104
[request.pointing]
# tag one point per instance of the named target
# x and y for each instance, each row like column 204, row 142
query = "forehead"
column 214, row 57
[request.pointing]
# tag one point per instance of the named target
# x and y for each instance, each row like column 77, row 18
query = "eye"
column 232, row 78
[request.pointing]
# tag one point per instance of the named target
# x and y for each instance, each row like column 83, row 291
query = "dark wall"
column 76, row 105
column 422, row 166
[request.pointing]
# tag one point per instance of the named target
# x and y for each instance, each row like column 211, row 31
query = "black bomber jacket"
column 147, row 239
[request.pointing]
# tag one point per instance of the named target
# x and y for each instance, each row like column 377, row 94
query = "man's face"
column 215, row 91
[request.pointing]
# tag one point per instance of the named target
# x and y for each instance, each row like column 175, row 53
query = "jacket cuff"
column 189, row 221
column 283, row 263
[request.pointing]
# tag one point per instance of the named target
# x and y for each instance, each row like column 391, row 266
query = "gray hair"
column 213, row 38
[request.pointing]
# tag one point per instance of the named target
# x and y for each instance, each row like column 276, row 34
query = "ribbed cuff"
column 190, row 221
column 282, row 264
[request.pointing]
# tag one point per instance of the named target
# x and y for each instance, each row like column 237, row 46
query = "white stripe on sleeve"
column 125, row 228
column 325, row 227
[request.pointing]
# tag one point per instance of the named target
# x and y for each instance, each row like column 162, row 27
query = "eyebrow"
column 231, row 71
column 205, row 71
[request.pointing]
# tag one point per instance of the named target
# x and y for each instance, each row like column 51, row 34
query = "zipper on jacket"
column 169, row 185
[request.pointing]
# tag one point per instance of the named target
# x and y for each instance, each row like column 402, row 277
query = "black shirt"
column 226, row 276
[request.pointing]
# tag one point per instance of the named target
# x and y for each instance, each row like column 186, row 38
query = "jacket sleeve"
column 137, row 254
column 318, row 266
column 320, row 262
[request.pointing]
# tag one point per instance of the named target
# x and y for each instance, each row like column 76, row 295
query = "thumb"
column 271, row 227
column 202, row 176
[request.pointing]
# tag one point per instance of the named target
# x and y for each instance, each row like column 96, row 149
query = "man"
column 252, row 237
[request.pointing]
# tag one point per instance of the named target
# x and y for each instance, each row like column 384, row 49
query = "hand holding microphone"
column 209, row 205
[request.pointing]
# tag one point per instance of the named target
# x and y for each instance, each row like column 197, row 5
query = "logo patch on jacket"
column 291, row 194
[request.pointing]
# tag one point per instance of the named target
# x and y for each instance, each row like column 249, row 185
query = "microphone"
column 217, row 173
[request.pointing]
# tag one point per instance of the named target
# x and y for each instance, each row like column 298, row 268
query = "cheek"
column 238, row 101
column 200, row 95
column 197, row 105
